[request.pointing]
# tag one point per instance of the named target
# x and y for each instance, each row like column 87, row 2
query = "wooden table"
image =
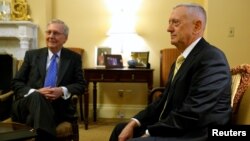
column 114, row 75
column 16, row 131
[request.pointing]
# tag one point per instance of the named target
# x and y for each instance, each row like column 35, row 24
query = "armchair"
column 240, row 84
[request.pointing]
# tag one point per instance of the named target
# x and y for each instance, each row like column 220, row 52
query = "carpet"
column 98, row 131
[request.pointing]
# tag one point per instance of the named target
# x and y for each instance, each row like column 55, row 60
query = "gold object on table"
column 19, row 10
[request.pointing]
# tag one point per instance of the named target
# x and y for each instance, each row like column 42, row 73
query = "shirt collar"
column 51, row 54
column 190, row 48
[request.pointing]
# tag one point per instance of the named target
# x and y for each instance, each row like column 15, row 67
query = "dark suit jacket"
column 199, row 96
column 33, row 70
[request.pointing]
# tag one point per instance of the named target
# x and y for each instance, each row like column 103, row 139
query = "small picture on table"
column 140, row 59
column 113, row 61
column 100, row 53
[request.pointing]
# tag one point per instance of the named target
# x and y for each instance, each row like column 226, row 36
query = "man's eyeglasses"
column 55, row 33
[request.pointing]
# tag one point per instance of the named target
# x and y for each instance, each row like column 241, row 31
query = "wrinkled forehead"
column 56, row 27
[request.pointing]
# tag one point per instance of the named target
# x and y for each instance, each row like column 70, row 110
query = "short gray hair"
column 66, row 28
column 197, row 9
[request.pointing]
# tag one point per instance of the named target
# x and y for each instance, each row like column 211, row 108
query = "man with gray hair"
column 44, row 84
column 197, row 93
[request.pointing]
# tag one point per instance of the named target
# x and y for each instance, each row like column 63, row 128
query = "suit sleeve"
column 19, row 82
column 75, row 81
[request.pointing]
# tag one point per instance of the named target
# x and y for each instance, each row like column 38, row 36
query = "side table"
column 114, row 75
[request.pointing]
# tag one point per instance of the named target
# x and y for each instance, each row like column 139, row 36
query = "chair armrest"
column 158, row 89
column 156, row 93
column 6, row 96
column 75, row 99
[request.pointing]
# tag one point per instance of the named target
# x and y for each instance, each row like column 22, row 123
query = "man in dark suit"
column 196, row 97
column 44, row 107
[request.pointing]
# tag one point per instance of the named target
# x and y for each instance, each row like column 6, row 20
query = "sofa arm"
column 5, row 105
column 6, row 96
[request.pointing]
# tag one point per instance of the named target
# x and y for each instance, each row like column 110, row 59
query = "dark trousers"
column 138, row 132
column 37, row 112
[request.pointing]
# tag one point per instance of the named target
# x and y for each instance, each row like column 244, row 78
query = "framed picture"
column 140, row 59
column 100, row 53
column 113, row 61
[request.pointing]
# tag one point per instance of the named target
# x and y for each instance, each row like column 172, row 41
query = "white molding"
column 25, row 32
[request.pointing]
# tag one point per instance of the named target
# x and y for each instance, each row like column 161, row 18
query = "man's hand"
column 51, row 93
column 145, row 135
column 127, row 132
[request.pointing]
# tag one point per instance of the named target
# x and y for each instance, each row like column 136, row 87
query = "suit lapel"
column 42, row 60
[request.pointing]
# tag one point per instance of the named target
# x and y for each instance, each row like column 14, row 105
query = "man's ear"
column 197, row 26
column 66, row 38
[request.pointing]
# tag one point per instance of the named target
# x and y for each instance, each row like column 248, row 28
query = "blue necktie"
column 51, row 76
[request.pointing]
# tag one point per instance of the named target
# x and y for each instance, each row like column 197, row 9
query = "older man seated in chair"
column 45, row 83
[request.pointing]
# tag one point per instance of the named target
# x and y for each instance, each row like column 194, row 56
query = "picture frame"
column 113, row 61
column 101, row 51
column 140, row 59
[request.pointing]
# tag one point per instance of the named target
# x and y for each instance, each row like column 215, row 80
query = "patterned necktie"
column 51, row 76
column 178, row 63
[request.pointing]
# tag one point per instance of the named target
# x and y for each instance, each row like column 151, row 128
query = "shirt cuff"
column 137, row 121
column 147, row 133
column 30, row 91
column 66, row 93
